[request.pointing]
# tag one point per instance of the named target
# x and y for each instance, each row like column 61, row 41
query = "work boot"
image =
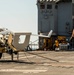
column 0, row 55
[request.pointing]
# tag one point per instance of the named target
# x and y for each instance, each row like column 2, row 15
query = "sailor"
column 72, row 40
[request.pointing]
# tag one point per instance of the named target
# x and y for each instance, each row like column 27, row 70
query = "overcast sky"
column 19, row 15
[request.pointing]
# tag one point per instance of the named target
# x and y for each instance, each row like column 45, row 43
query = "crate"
column 63, row 46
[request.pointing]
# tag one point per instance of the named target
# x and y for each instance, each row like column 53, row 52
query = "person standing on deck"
column 72, row 40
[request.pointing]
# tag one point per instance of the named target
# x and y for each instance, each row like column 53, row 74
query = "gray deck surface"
column 38, row 63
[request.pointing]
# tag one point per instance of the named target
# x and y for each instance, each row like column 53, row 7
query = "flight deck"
column 38, row 63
